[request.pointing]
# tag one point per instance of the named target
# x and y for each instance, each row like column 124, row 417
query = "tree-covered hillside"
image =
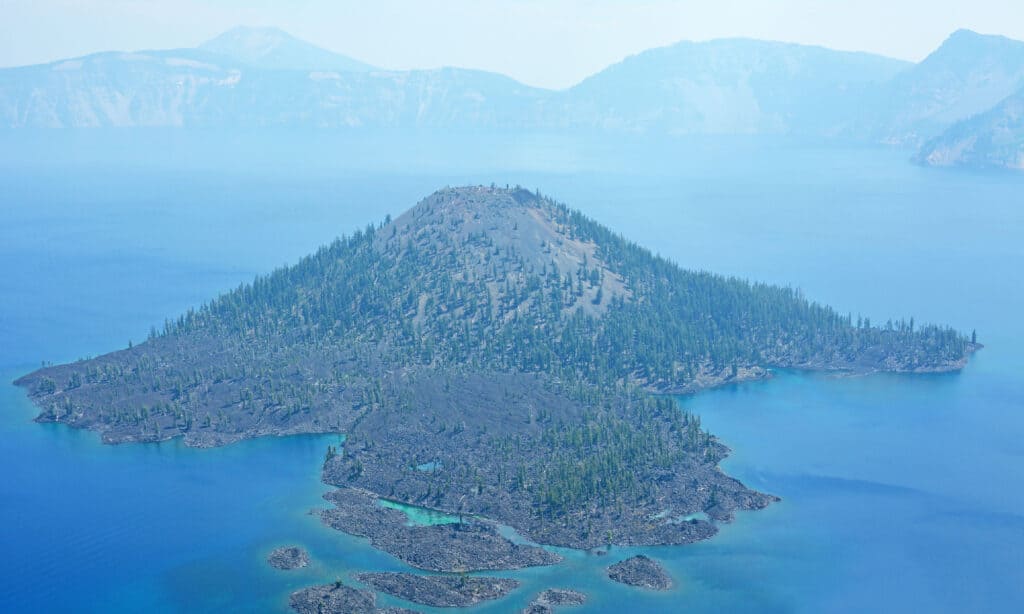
column 508, row 280
column 471, row 279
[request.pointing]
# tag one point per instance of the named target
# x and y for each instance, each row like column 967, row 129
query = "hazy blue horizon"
column 517, row 38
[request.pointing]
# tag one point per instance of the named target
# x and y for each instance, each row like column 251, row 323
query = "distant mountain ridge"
column 257, row 77
column 739, row 86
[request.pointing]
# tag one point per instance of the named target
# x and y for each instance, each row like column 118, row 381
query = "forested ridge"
column 444, row 295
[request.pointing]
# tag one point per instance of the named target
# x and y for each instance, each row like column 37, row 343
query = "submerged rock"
column 439, row 591
column 640, row 571
column 288, row 557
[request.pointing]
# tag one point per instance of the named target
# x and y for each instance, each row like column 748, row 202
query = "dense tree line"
column 675, row 324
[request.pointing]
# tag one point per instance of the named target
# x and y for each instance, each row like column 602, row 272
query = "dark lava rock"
column 561, row 596
column 288, row 557
column 640, row 571
column 547, row 601
column 339, row 599
column 467, row 546
column 439, row 591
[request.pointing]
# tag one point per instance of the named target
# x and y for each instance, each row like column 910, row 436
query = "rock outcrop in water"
column 640, row 571
column 552, row 598
column 288, row 557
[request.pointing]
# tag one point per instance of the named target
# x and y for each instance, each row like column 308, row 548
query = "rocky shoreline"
column 507, row 478
column 337, row 598
column 129, row 431
column 439, row 591
column 709, row 379
column 473, row 545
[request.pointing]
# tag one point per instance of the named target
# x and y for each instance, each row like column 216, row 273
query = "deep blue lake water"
column 898, row 492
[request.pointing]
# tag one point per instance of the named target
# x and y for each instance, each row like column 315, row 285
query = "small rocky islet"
column 640, row 571
column 288, row 557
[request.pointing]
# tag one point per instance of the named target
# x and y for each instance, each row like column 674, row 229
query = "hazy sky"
column 552, row 43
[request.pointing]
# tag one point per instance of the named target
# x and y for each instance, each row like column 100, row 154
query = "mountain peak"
column 974, row 43
column 250, row 42
column 963, row 34
column 967, row 75
column 477, row 197
column 479, row 208
column 510, row 233
column 274, row 49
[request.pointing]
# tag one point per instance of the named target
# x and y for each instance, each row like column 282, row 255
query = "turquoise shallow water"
column 420, row 516
column 898, row 492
